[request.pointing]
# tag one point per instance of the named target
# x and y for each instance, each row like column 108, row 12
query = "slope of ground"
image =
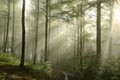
column 12, row 72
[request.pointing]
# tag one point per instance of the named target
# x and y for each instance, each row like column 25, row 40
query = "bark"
column 81, row 40
column 7, row 28
column 23, row 36
column 98, row 29
column 111, row 13
column 13, row 25
column 75, row 48
column 4, row 39
column 78, row 38
column 46, row 33
column 49, row 14
column 36, row 36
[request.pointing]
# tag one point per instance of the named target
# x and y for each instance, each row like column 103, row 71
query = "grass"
column 9, row 69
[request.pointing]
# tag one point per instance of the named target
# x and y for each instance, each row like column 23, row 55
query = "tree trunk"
column 7, row 28
column 46, row 33
column 13, row 25
column 49, row 14
column 36, row 37
column 111, row 13
column 4, row 39
column 81, row 40
column 23, row 36
column 78, row 37
column 98, row 29
column 75, row 32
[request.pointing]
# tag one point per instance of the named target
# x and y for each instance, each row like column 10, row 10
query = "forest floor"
column 12, row 72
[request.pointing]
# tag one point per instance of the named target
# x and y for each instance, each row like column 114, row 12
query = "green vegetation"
column 59, row 40
column 109, row 70
column 9, row 69
column 8, row 59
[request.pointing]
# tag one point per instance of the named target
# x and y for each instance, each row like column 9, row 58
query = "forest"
column 59, row 39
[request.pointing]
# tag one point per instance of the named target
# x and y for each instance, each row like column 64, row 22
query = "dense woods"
column 59, row 39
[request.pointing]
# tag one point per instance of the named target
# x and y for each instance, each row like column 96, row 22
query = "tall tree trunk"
column 78, row 39
column 98, row 40
column 36, row 37
column 111, row 13
column 81, row 40
column 4, row 39
column 46, row 33
column 57, row 52
column 98, row 29
column 49, row 14
column 2, row 35
column 75, row 42
column 13, row 25
column 23, row 36
column 7, row 28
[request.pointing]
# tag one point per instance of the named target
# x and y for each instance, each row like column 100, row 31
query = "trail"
column 62, row 75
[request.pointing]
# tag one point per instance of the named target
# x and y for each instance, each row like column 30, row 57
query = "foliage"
column 44, row 67
column 2, row 76
column 108, row 71
column 29, row 72
column 8, row 58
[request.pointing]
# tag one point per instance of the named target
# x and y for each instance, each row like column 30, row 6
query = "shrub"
column 8, row 58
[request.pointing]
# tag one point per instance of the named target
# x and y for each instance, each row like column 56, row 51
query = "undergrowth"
column 11, row 69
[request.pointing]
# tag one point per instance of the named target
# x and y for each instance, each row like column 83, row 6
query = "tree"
column 81, row 38
column 7, row 27
column 46, row 33
column 36, row 36
column 111, row 15
column 98, row 29
column 23, row 35
column 13, row 24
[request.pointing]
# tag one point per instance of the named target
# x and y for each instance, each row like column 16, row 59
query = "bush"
column 8, row 58
column 5, row 57
column 111, row 70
